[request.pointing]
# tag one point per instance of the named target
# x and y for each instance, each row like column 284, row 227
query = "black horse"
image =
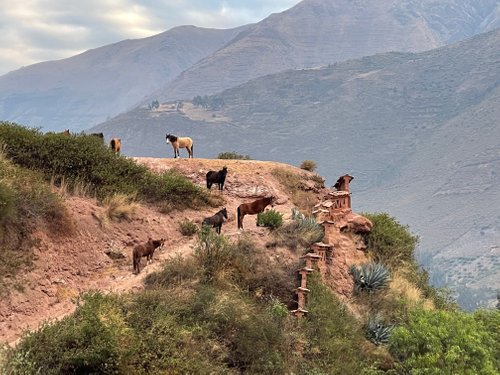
column 216, row 220
column 216, row 178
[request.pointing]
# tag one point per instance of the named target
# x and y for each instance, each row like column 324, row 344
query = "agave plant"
column 376, row 331
column 370, row 277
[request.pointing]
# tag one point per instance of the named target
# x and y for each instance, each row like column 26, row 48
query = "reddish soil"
column 64, row 267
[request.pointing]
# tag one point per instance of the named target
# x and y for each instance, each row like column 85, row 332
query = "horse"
column 66, row 132
column 145, row 250
column 253, row 208
column 180, row 142
column 116, row 145
column 216, row 220
column 216, row 178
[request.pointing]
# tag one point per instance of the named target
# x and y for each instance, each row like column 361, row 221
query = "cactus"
column 376, row 331
column 370, row 277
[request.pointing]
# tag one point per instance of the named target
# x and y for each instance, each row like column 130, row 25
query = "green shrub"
column 270, row 219
column 443, row 342
column 370, row 277
column 187, row 228
column 389, row 242
column 89, row 341
column 213, row 254
column 308, row 165
column 176, row 270
column 84, row 159
column 233, row 155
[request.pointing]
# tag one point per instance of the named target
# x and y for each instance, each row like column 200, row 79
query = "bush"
column 120, row 207
column 176, row 271
column 377, row 331
column 389, row 242
column 187, row 227
column 308, row 165
column 233, row 155
column 270, row 219
column 443, row 342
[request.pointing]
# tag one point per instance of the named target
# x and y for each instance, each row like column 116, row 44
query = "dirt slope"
column 65, row 267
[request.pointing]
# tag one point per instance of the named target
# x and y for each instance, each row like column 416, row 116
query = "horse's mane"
column 172, row 137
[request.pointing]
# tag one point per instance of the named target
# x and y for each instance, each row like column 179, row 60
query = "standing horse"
column 116, row 145
column 253, row 208
column 146, row 250
column 216, row 220
column 216, row 178
column 180, row 142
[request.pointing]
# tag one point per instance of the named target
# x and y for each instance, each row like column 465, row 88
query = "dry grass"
column 400, row 287
column 120, row 207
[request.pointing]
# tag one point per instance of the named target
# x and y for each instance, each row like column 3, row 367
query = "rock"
column 358, row 224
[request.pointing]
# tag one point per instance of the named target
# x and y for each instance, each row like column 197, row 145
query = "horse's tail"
column 239, row 218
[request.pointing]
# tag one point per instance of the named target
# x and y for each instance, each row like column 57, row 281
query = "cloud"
column 39, row 30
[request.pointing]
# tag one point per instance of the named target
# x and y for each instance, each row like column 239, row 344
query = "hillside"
column 88, row 88
column 418, row 131
column 65, row 267
column 321, row 32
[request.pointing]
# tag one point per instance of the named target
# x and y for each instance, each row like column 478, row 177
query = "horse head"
column 170, row 138
column 224, row 212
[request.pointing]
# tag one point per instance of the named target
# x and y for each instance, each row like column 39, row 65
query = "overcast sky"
column 39, row 30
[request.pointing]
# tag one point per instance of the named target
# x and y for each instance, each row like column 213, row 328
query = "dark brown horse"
column 216, row 178
column 98, row 135
column 145, row 250
column 253, row 208
column 216, row 220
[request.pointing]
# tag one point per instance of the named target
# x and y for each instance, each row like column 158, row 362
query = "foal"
column 145, row 250
column 216, row 178
column 216, row 220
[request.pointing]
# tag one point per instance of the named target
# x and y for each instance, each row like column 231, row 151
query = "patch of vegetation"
column 84, row 159
column 377, row 331
column 271, row 219
column 308, row 165
column 301, row 231
column 300, row 187
column 120, row 207
column 233, row 155
column 188, row 228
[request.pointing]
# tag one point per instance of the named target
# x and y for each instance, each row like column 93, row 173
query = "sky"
column 32, row 31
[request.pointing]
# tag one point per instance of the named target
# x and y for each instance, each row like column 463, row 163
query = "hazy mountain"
column 86, row 89
column 419, row 132
column 319, row 32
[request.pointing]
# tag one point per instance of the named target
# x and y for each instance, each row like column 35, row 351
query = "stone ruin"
column 333, row 212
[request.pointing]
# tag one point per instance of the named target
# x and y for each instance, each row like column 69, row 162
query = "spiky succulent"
column 377, row 331
column 370, row 277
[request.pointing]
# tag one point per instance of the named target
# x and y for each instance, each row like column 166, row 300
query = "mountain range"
column 181, row 63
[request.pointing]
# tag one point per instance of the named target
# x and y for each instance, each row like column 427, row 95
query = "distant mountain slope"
column 419, row 132
column 319, row 32
column 84, row 90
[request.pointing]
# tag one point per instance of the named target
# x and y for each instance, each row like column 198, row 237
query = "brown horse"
column 116, row 145
column 145, row 250
column 180, row 142
column 66, row 132
column 253, row 208
column 216, row 220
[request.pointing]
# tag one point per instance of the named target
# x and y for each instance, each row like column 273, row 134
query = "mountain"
column 319, row 32
column 88, row 88
column 419, row 132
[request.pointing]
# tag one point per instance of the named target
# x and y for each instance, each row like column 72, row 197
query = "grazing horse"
column 253, row 208
column 145, row 250
column 216, row 178
column 98, row 135
column 116, row 145
column 216, row 220
column 180, row 142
